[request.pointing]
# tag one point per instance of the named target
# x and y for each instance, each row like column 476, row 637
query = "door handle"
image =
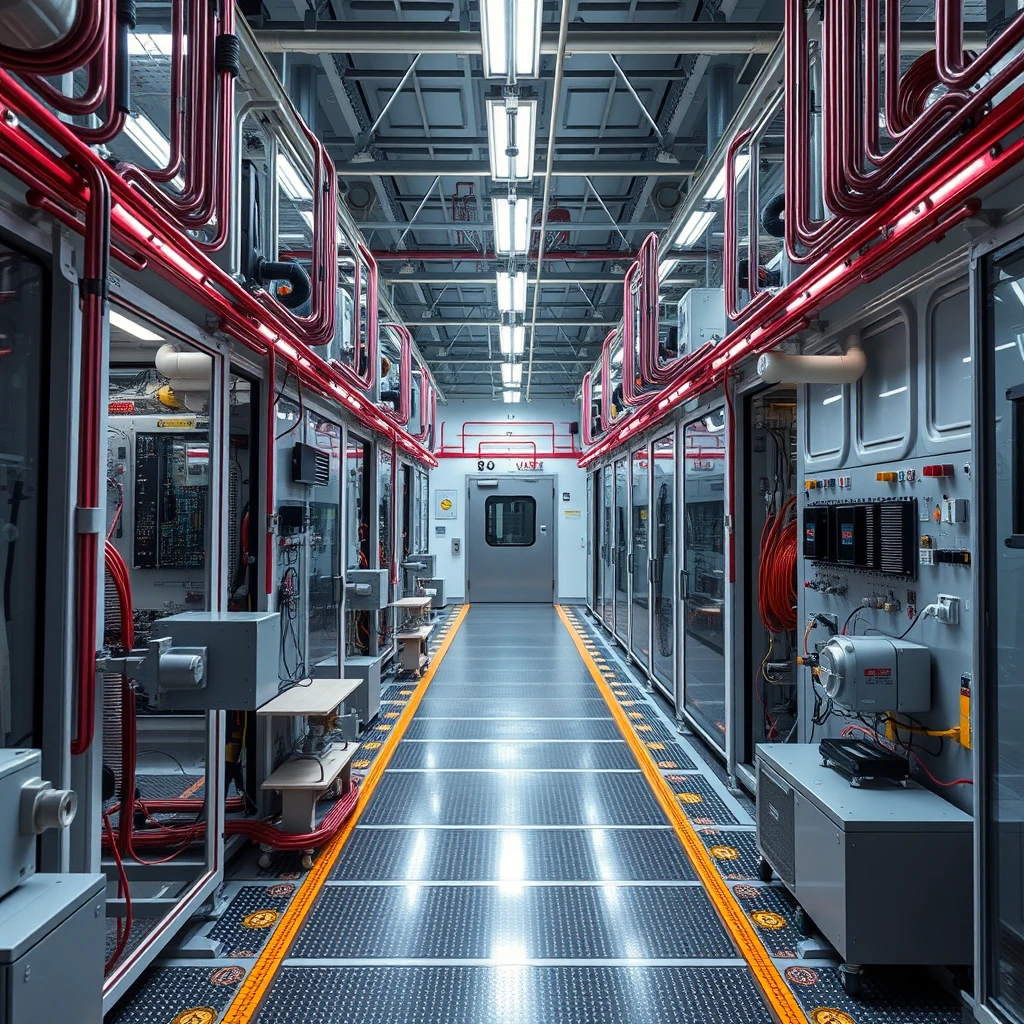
column 1015, row 396
column 684, row 585
column 543, row 529
column 630, row 563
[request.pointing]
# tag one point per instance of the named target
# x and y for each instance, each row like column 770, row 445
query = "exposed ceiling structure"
column 396, row 89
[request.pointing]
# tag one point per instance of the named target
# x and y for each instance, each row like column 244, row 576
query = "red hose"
column 776, row 571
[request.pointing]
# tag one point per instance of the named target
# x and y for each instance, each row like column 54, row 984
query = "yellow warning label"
column 724, row 852
column 197, row 1015
column 772, row 921
column 260, row 919
column 446, row 504
column 828, row 1015
column 179, row 423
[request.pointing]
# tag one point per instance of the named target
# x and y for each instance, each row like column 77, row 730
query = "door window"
column 511, row 521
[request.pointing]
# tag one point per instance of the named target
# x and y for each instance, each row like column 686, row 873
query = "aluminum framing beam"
column 486, row 278
column 590, row 226
column 482, row 168
column 702, row 37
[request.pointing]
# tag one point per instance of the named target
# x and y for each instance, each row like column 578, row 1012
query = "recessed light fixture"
column 511, row 291
column 289, row 181
column 133, row 327
column 716, row 190
column 521, row 49
column 512, row 222
column 511, row 340
column 511, row 374
column 510, row 396
column 511, row 127
column 694, row 227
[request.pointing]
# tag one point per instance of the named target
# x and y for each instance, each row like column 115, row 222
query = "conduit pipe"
column 175, row 364
column 847, row 368
column 403, row 413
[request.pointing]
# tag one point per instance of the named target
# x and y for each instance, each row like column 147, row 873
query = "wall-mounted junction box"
column 366, row 590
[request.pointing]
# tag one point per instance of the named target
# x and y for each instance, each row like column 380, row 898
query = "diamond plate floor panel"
column 514, row 798
column 596, row 756
column 515, row 995
column 538, row 922
column 542, row 855
column 551, row 730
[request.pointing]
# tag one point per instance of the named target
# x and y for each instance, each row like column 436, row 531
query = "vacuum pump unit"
column 876, row 674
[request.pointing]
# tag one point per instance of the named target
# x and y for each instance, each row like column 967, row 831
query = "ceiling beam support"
column 449, row 167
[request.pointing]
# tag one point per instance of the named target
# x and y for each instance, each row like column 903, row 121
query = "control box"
column 52, row 950
column 366, row 590
column 876, row 674
column 700, row 318
column 241, row 670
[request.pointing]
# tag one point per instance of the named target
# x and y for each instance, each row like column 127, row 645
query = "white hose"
column 776, row 367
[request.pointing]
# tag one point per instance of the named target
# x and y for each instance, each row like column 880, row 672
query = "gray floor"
column 513, row 864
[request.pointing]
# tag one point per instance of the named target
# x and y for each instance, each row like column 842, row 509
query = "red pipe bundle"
column 776, row 572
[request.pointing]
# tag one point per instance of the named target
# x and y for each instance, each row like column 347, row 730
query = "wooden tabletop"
column 317, row 697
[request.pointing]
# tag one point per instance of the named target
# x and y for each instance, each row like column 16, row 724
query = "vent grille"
column 322, row 462
column 776, row 834
column 870, row 534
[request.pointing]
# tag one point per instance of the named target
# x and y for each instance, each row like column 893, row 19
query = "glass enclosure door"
column 621, row 626
column 703, row 576
column 662, row 514
column 607, row 587
column 640, row 626
column 591, row 527
column 325, row 583
column 1001, row 743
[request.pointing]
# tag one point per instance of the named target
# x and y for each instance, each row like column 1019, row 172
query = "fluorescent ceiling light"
column 665, row 268
column 524, row 114
column 526, row 21
column 831, row 399
column 511, row 374
column 1003, row 348
column 694, row 227
column 289, row 182
column 148, row 138
column 150, row 44
column 893, row 391
column 510, row 396
column 511, row 340
column 716, row 190
column 133, row 327
column 512, row 222
column 512, row 291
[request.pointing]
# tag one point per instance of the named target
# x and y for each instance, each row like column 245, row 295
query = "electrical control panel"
column 873, row 536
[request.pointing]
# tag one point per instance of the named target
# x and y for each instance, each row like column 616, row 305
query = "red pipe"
column 271, row 386
column 606, row 382
column 184, row 264
column 587, row 419
column 631, row 294
column 77, row 48
column 403, row 413
column 395, row 558
column 93, row 289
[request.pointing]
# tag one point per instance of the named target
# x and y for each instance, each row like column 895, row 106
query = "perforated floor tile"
column 166, row 992
column 515, row 995
column 514, row 755
column 515, row 798
column 250, row 918
column 535, row 729
column 542, row 922
column 700, row 801
column 566, row 855
column 507, row 691
column 735, row 853
column 436, row 706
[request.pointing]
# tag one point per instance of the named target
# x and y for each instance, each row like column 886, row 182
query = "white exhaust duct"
column 188, row 373
column 779, row 367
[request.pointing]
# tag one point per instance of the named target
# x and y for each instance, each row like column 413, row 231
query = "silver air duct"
column 776, row 367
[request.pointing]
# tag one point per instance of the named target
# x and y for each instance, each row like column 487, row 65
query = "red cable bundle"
column 776, row 573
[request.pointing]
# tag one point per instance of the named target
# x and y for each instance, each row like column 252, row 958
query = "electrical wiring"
column 122, row 889
column 776, row 571
column 850, row 618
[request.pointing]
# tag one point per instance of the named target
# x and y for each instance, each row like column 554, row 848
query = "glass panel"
column 704, row 572
column 640, row 636
column 885, row 387
column 621, row 549
column 24, row 345
column 592, row 526
column 243, row 470
column 325, row 548
column 663, row 559
column 607, row 547
column 357, row 535
column 1003, row 741
column 826, row 419
column 385, row 528
column 950, row 365
column 511, row 521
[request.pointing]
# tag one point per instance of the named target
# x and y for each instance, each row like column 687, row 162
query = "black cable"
column 849, row 618
column 164, row 754
column 881, row 632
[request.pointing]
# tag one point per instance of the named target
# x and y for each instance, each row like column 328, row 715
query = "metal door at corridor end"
column 510, row 545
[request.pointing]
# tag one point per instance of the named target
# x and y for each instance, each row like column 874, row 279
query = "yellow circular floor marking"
column 260, row 919
column 405, row 693
column 724, row 852
column 653, row 745
column 371, row 746
column 690, row 798
column 197, row 1015
column 642, row 728
column 828, row 1015
column 635, row 714
column 362, row 763
column 390, row 714
column 383, row 727
column 770, row 920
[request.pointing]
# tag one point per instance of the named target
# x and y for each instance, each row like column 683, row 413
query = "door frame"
column 471, row 478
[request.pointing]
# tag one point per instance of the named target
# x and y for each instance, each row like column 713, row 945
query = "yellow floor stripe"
column 780, row 999
column 246, row 1003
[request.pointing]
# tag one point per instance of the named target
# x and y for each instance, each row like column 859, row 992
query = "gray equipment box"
column 357, row 580
column 366, row 700
column 17, row 850
column 437, row 585
column 844, row 851
column 242, row 659
column 52, row 950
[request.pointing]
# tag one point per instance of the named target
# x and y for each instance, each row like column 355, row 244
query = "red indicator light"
column 115, row 408
column 934, row 471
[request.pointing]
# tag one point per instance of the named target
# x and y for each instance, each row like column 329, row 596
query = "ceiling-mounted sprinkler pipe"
column 632, row 285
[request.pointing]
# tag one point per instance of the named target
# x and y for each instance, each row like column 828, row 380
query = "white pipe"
column 776, row 367
column 183, row 366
